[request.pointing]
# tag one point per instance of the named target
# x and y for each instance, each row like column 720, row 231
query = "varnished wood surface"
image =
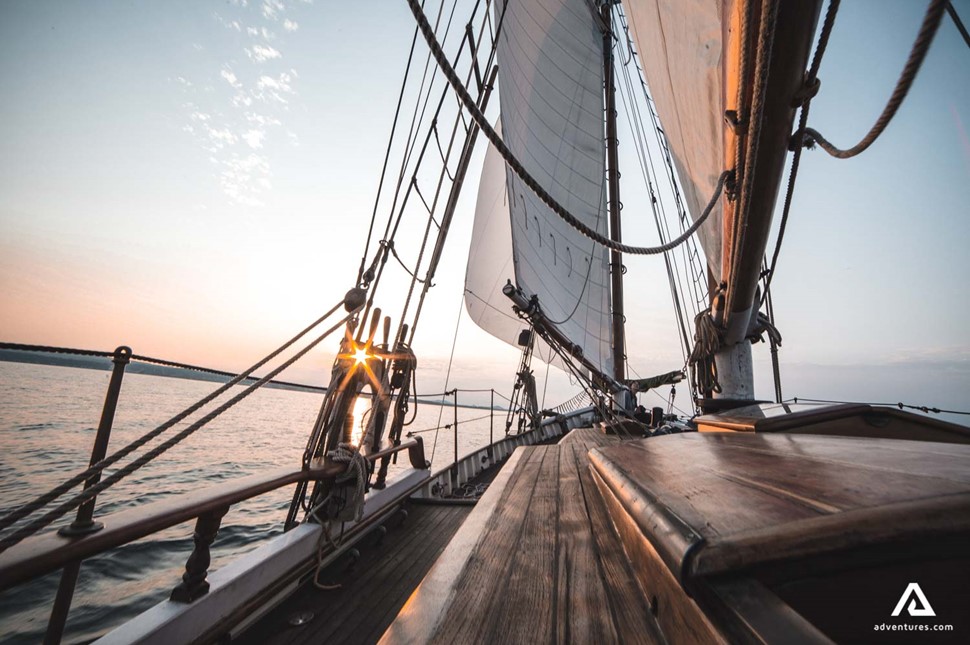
column 371, row 591
column 733, row 499
column 589, row 438
column 548, row 566
column 847, row 420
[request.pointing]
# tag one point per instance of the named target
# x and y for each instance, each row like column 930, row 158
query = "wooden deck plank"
column 581, row 595
column 371, row 593
column 589, row 437
column 628, row 607
column 481, row 585
column 527, row 609
column 548, row 566
column 364, row 590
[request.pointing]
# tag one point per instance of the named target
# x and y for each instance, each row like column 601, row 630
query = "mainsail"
column 550, row 58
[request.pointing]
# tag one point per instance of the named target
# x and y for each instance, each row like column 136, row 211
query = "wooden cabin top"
column 720, row 502
column 847, row 419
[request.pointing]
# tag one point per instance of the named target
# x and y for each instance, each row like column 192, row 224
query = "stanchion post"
column 84, row 521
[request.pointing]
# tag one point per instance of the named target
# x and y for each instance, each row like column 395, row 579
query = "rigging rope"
column 959, row 23
column 931, row 23
column 524, row 175
column 21, row 512
column 754, row 118
column 900, row 405
column 810, row 88
column 91, row 492
column 707, row 340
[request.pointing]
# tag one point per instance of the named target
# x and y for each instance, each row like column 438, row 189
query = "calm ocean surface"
column 48, row 417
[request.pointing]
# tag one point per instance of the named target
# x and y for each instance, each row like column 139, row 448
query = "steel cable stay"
column 432, row 208
column 402, row 194
column 387, row 156
column 44, row 500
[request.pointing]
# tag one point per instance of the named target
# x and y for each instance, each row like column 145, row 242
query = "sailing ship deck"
column 537, row 561
column 370, row 592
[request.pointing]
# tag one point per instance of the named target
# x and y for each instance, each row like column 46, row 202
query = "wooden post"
column 194, row 585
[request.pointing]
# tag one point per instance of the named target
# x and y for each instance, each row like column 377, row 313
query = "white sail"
column 550, row 61
column 679, row 42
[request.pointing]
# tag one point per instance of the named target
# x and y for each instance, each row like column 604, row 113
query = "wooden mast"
column 613, row 197
column 763, row 149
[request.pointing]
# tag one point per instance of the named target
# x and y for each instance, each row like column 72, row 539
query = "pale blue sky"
column 194, row 179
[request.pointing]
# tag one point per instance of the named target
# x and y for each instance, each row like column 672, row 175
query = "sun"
column 361, row 355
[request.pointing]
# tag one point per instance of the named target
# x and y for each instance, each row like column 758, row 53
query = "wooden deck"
column 537, row 561
column 371, row 591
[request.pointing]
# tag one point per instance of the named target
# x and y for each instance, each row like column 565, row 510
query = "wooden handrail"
column 48, row 552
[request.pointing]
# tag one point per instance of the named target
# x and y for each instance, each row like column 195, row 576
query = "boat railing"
column 48, row 552
column 26, row 556
column 448, row 481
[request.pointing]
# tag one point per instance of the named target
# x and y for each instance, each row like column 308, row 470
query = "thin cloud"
column 254, row 138
column 272, row 9
column 230, row 78
column 237, row 125
column 262, row 53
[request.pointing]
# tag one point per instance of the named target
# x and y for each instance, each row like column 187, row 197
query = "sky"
column 194, row 179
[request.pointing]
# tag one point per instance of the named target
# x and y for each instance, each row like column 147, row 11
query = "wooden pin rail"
column 49, row 552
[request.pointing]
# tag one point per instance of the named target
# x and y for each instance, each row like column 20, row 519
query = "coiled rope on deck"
column 931, row 23
column 527, row 178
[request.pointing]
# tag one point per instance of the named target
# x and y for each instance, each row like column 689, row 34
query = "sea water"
column 48, row 417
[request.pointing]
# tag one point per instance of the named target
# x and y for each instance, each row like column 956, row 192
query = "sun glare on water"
column 361, row 408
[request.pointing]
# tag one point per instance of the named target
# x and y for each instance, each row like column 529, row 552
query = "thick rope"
column 38, row 503
column 91, row 492
column 931, row 23
column 356, row 472
column 766, row 39
column 524, row 175
column 707, row 340
column 48, row 349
